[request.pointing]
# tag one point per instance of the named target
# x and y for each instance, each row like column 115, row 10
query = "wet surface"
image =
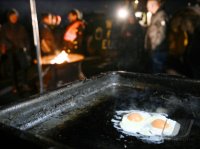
column 80, row 114
column 93, row 128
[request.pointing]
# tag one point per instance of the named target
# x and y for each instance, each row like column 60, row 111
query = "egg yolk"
column 135, row 117
column 160, row 124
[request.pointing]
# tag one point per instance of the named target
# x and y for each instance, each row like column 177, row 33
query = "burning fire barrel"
column 61, row 68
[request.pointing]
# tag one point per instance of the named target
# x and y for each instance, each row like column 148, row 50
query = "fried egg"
column 153, row 124
column 161, row 126
column 134, row 121
column 148, row 127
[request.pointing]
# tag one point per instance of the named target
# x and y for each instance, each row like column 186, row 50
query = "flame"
column 60, row 58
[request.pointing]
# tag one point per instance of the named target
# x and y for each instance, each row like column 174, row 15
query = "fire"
column 60, row 58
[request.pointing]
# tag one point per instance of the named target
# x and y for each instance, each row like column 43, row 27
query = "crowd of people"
column 169, row 44
column 70, row 39
column 173, row 42
column 166, row 45
column 16, row 55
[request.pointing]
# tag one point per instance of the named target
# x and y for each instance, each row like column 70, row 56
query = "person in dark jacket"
column 47, row 37
column 16, row 42
column 73, row 36
column 191, row 25
column 184, row 43
column 131, row 47
column 156, row 38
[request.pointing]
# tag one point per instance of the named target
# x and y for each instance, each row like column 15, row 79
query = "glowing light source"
column 122, row 13
column 138, row 14
column 136, row 1
column 60, row 58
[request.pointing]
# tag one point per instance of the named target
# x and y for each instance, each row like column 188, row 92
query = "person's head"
column 13, row 16
column 153, row 5
column 46, row 18
column 56, row 20
column 72, row 16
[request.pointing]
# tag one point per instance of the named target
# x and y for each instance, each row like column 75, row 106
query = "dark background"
column 61, row 7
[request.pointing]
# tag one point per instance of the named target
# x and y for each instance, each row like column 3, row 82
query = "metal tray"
column 79, row 114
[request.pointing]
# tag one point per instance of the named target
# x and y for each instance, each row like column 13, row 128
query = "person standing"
column 73, row 36
column 156, row 37
column 48, row 40
column 131, row 48
column 15, row 39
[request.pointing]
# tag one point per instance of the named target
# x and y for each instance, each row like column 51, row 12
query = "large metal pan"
column 79, row 114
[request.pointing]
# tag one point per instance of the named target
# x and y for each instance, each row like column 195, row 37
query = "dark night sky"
column 58, row 6
column 61, row 7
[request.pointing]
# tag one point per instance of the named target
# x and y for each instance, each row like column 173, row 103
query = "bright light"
column 138, row 14
column 122, row 13
column 60, row 58
column 136, row 1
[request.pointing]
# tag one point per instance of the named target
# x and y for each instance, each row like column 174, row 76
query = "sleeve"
column 3, row 38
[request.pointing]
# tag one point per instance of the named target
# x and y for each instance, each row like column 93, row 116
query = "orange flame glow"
column 60, row 58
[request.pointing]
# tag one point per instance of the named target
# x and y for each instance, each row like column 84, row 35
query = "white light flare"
column 136, row 2
column 138, row 14
column 60, row 58
column 122, row 13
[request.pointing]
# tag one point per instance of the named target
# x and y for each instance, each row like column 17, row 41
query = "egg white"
column 149, row 130
column 144, row 130
column 134, row 127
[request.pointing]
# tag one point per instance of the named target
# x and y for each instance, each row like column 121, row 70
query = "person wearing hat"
column 47, row 35
column 156, row 38
column 73, row 35
column 15, row 39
